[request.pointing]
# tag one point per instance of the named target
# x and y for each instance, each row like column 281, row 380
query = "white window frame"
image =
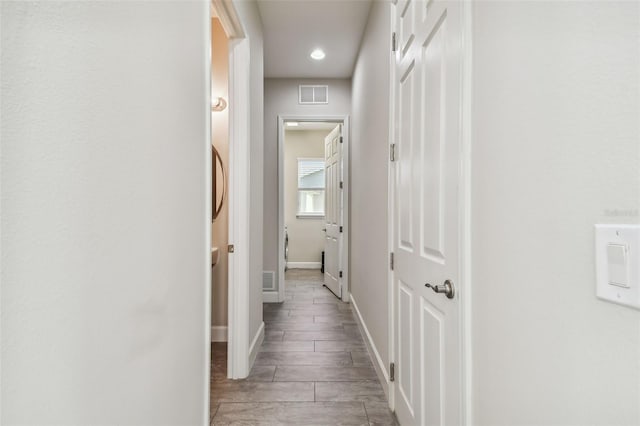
column 307, row 215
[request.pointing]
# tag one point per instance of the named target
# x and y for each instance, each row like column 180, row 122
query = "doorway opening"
column 313, row 200
column 220, row 207
column 229, row 333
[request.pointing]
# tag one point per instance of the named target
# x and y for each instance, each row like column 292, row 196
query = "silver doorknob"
column 447, row 288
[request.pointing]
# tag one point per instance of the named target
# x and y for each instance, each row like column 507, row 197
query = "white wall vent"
column 313, row 94
column 268, row 280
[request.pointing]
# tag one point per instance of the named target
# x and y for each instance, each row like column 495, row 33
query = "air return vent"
column 268, row 280
column 313, row 94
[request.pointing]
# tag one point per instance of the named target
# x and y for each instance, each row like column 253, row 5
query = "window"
column 310, row 187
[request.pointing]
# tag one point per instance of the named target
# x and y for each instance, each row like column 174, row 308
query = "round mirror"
column 219, row 183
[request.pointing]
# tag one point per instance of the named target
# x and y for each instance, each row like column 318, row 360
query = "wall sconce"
column 220, row 104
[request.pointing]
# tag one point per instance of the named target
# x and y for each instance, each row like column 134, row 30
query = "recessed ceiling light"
column 318, row 54
column 292, row 123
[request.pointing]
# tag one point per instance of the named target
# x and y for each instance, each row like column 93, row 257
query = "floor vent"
column 313, row 94
column 268, row 280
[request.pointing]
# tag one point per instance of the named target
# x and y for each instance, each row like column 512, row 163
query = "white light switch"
column 618, row 264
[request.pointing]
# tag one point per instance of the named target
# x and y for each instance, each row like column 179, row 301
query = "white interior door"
column 426, row 237
column 333, row 210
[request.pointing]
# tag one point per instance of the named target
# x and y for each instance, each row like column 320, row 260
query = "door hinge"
column 393, row 42
column 341, row 140
column 391, row 260
column 340, row 274
column 392, row 372
column 392, row 152
column 340, row 228
column 231, row 248
column 341, row 185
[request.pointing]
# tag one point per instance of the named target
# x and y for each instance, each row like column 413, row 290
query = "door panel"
column 432, row 334
column 405, row 151
column 425, row 174
column 333, row 210
column 405, row 349
column 432, row 137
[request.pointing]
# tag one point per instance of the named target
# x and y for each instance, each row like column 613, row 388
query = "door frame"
column 238, row 189
column 344, row 252
column 464, row 222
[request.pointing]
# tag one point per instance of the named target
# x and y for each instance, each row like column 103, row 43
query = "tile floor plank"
column 379, row 414
column 342, row 318
column 287, row 347
column 303, row 326
column 261, row 373
column 299, row 414
column 328, row 299
column 361, row 358
column 304, row 358
column 320, row 308
column 273, row 335
column 321, row 335
column 350, row 391
column 296, row 319
column 312, row 373
column 337, row 346
column 242, row 391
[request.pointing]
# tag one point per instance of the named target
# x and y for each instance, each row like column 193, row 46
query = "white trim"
column 256, row 343
column 206, row 108
column 226, row 13
column 304, row 265
column 390, row 210
column 465, row 276
column 282, row 262
column 346, row 178
column 344, row 255
column 219, row 333
column 239, row 203
column 269, row 296
column 381, row 369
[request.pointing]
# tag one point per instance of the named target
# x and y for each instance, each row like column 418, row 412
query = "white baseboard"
column 255, row 345
column 270, row 297
column 304, row 265
column 381, row 369
column 219, row 333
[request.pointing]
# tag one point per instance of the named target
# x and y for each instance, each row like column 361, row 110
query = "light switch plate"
column 618, row 264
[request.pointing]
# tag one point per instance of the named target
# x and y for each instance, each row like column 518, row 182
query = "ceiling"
column 293, row 28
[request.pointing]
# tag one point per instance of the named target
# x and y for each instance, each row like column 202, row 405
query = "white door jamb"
column 464, row 274
column 344, row 254
column 390, row 215
column 239, row 102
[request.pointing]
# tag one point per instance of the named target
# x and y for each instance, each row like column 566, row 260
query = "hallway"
column 313, row 368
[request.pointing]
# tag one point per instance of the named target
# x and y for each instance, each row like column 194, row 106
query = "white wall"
column 105, row 213
column 306, row 238
column 220, row 139
column 369, row 165
column 281, row 98
column 250, row 17
column 555, row 144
